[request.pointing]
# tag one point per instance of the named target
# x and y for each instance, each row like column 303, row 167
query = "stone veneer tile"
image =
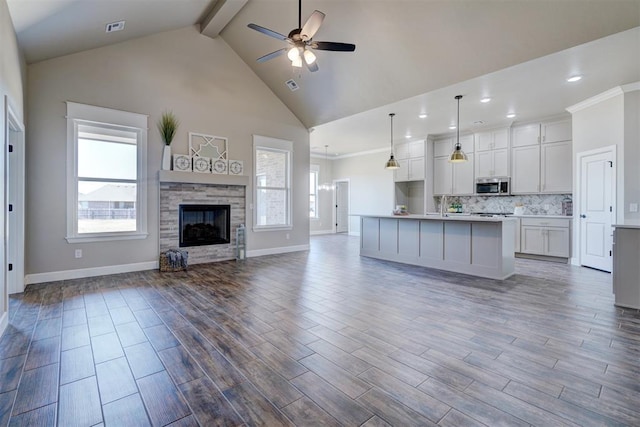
column 172, row 195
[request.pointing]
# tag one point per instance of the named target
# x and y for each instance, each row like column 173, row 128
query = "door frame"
column 334, row 229
column 577, row 200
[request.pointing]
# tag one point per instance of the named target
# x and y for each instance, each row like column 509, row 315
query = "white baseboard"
column 4, row 322
column 354, row 233
column 274, row 251
column 54, row 276
column 319, row 232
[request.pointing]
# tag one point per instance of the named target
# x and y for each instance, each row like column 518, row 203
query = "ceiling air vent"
column 115, row 26
column 292, row 85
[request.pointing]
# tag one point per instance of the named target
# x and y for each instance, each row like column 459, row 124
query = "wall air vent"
column 114, row 26
column 292, row 85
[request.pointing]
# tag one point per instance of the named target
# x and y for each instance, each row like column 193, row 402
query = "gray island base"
column 478, row 246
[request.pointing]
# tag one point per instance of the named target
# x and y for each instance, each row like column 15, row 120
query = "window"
column 313, row 191
column 273, row 183
column 106, row 190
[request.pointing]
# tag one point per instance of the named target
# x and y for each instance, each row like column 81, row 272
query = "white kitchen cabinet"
column 537, row 133
column 517, row 234
column 525, row 166
column 442, row 147
column 492, row 163
column 463, row 178
column 492, row 140
column 626, row 265
column 442, row 176
column 410, row 156
column 544, row 236
column 556, row 167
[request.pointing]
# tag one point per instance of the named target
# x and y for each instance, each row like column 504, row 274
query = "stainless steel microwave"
column 499, row 186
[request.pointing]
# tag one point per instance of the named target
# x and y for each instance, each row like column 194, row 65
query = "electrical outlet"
column 546, row 207
column 287, row 236
column 78, row 253
column 633, row 207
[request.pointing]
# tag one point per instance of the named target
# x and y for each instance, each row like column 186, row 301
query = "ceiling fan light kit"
column 392, row 163
column 458, row 156
column 300, row 41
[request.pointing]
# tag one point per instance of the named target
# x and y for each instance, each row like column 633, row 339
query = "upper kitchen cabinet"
column 411, row 157
column 453, row 178
column 541, row 158
column 492, row 140
column 537, row 133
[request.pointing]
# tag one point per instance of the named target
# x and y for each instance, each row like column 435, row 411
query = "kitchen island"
column 626, row 264
column 479, row 246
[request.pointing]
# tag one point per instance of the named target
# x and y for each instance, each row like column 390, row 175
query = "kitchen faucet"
column 443, row 201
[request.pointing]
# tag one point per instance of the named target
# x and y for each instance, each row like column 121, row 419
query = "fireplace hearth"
column 204, row 225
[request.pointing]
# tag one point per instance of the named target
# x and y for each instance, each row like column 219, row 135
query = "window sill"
column 273, row 228
column 106, row 237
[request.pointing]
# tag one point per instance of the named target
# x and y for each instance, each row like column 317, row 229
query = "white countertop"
column 628, row 223
column 543, row 216
column 447, row 217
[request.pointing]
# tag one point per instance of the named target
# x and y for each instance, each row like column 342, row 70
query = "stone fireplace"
column 174, row 193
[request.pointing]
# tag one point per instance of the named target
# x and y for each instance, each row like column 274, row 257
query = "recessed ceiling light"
column 511, row 115
column 422, row 115
column 574, row 79
column 452, row 127
column 485, row 100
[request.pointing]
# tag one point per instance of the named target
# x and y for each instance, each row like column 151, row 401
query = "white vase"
column 166, row 158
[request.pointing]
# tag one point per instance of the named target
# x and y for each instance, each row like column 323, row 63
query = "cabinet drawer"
column 546, row 222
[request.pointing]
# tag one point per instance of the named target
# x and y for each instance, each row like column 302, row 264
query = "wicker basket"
column 165, row 266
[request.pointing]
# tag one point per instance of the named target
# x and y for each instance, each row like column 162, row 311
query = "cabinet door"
column 525, row 135
column 442, row 147
column 500, row 138
column 416, row 149
column 463, row 180
column 484, row 164
column 517, row 235
column 532, row 240
column 484, row 141
column 441, row 176
column 466, row 142
column 401, row 151
column 557, row 242
column 402, row 173
column 556, row 167
column 556, row 131
column 416, row 169
column 525, row 164
column 501, row 162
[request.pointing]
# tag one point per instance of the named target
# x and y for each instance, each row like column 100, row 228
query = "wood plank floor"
column 323, row 337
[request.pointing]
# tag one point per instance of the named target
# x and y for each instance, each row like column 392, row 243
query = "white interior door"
column 342, row 206
column 596, row 210
column 15, row 201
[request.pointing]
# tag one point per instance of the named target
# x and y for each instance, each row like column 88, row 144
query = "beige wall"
column 202, row 81
column 370, row 185
column 632, row 151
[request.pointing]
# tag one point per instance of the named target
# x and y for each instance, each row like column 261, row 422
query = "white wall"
column 371, row 185
column 632, row 151
column 209, row 89
column 12, row 77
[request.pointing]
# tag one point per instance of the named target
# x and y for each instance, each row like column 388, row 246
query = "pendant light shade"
column 392, row 163
column 458, row 156
column 325, row 186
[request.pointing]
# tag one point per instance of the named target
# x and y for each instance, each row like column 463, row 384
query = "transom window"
column 106, row 190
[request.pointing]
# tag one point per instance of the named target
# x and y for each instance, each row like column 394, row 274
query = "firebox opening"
column 204, row 225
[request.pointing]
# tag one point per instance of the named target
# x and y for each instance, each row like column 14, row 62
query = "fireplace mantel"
column 203, row 178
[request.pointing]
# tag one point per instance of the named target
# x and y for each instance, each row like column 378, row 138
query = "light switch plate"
column 633, row 207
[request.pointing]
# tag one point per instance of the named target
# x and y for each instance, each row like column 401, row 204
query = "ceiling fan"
column 301, row 42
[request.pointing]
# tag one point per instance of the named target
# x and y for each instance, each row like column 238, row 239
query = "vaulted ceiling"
column 412, row 56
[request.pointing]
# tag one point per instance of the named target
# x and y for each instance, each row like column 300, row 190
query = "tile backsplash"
column 535, row 204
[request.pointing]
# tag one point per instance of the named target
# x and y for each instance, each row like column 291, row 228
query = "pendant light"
column 326, row 186
column 392, row 163
column 458, row 155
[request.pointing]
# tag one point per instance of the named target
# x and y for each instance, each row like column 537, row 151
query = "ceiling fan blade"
column 313, row 67
column 334, row 46
column 311, row 27
column 271, row 55
column 267, row 31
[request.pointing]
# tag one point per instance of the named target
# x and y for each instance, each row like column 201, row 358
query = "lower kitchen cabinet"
column 548, row 237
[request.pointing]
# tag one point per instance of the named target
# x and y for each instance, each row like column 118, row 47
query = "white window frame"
column 107, row 118
column 315, row 169
column 276, row 145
